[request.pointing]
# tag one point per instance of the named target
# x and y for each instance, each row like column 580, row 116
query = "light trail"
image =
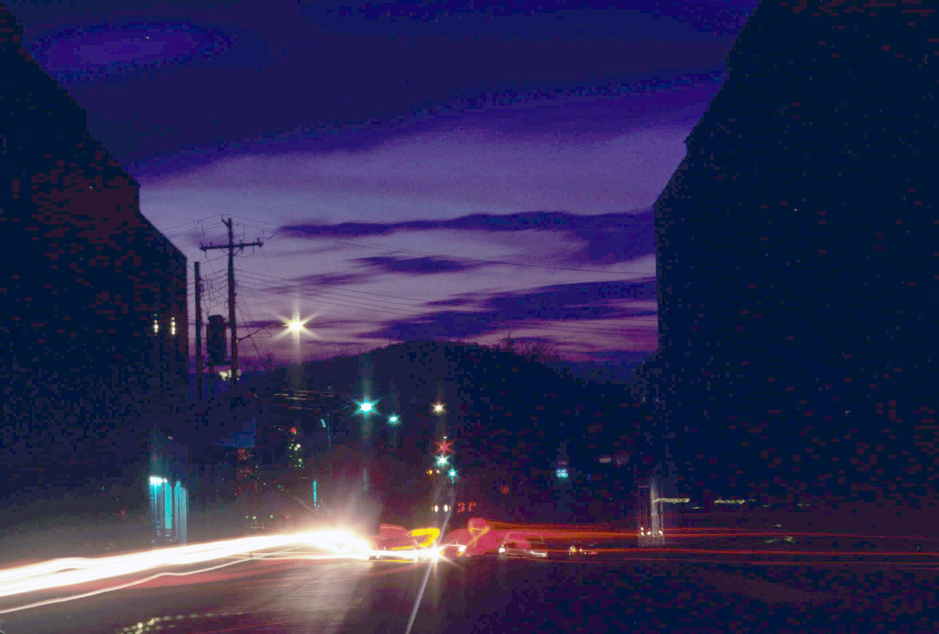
column 74, row 597
column 59, row 573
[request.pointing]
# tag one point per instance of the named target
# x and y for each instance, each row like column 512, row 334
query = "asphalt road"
column 645, row 592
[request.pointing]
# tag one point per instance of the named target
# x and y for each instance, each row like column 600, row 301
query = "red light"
column 444, row 447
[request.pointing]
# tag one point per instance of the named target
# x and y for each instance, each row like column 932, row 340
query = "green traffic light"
column 393, row 419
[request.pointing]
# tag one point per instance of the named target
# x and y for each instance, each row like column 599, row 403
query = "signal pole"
column 231, row 246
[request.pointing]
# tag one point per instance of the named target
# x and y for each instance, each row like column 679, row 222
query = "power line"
column 332, row 294
column 579, row 327
column 280, row 229
column 480, row 260
column 296, row 287
column 347, row 303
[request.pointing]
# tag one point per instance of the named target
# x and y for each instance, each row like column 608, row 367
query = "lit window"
column 172, row 326
column 156, row 326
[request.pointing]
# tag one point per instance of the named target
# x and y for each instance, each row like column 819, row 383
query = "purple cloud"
column 563, row 302
column 326, row 279
column 609, row 238
column 429, row 265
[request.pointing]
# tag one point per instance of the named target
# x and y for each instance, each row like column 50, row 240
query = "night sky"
column 415, row 170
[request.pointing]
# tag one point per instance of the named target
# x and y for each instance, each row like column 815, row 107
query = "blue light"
column 323, row 421
column 314, row 493
column 167, row 505
column 561, row 473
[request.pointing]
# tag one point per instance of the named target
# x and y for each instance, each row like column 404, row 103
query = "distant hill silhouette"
column 503, row 408
column 507, row 416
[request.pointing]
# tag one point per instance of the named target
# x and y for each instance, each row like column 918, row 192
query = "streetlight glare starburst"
column 297, row 327
column 438, row 408
column 367, row 406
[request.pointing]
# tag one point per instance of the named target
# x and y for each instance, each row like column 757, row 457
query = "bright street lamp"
column 393, row 419
column 438, row 408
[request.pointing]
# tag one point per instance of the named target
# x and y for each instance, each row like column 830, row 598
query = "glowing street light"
column 393, row 419
column 438, row 408
column 442, row 461
column 367, row 407
column 296, row 326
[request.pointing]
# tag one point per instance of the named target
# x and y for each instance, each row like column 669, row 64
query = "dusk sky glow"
column 416, row 170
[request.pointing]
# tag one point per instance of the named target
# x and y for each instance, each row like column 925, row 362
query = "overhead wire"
column 357, row 299
column 298, row 286
column 332, row 301
column 386, row 249
column 277, row 229
column 579, row 328
column 333, row 295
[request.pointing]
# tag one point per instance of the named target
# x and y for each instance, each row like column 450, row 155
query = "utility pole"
column 231, row 246
column 199, row 358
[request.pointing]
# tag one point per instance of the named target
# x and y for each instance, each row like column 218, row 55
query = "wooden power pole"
column 199, row 358
column 231, row 246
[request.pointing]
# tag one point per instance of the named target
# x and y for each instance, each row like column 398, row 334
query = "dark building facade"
column 797, row 249
column 93, row 322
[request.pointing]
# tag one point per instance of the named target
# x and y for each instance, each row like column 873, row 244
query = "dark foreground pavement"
column 484, row 595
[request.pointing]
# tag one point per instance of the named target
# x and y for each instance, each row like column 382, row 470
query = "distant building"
column 797, row 259
column 93, row 322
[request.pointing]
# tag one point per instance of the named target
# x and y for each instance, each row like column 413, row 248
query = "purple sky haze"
column 415, row 169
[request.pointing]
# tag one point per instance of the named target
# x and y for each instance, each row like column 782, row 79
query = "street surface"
column 683, row 587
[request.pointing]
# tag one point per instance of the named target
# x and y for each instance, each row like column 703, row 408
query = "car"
column 580, row 549
column 523, row 548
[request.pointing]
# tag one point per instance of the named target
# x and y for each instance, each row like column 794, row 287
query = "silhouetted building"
column 796, row 251
column 93, row 325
